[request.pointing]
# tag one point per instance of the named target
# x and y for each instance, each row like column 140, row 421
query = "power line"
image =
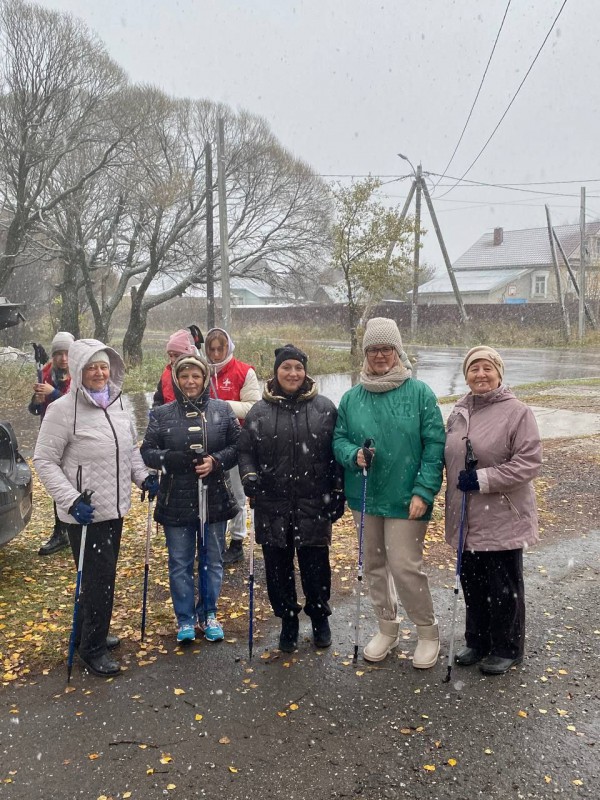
column 487, row 66
column 516, row 94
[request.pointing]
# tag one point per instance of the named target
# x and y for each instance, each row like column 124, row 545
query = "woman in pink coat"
column 501, row 513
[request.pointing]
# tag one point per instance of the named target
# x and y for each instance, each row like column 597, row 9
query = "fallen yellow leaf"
column 522, row 713
column 571, row 728
column 294, row 707
column 577, row 782
column 452, row 762
column 281, row 714
column 198, row 717
column 232, row 769
column 359, row 672
column 93, row 756
column 171, row 786
column 547, row 778
column 165, row 758
column 429, row 767
column 488, row 752
column 179, row 691
column 126, row 795
column 224, row 740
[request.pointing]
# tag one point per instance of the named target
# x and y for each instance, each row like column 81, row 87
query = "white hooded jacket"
column 84, row 446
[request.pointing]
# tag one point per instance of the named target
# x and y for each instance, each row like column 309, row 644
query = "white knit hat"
column 100, row 356
column 381, row 331
column 62, row 341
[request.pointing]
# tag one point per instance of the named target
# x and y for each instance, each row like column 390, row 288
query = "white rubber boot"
column 383, row 642
column 428, row 646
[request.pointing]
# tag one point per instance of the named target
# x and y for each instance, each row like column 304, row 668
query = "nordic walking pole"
column 470, row 464
column 146, row 569
column 361, row 531
column 251, row 585
column 87, row 498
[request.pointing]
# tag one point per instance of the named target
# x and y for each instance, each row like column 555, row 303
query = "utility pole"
column 420, row 185
column 582, row 266
column 210, row 278
column 566, row 325
column 588, row 311
column 461, row 306
column 223, row 233
column 414, row 310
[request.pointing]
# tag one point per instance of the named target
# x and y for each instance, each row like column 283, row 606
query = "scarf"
column 385, row 383
column 100, row 397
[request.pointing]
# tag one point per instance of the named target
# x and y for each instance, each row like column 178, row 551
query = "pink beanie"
column 181, row 342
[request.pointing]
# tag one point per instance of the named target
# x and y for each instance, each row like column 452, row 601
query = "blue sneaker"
column 213, row 630
column 186, row 633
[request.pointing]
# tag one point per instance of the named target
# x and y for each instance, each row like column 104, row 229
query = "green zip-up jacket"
column 407, row 432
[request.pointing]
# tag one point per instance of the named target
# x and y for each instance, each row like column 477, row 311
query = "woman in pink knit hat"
column 180, row 343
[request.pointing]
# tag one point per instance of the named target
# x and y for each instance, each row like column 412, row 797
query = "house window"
column 540, row 283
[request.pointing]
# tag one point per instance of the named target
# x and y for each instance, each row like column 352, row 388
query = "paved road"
column 312, row 727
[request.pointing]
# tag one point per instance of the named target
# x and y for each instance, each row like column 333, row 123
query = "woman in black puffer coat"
column 288, row 470
column 192, row 439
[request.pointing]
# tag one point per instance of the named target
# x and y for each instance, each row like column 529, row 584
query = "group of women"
column 300, row 460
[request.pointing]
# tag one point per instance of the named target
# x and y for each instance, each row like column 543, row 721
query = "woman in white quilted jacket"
column 88, row 442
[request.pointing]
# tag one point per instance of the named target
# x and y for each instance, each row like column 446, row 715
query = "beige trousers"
column 393, row 565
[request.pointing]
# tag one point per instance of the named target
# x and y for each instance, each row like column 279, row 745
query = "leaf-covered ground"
column 36, row 594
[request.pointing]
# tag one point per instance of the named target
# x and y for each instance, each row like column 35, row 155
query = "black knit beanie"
column 289, row 351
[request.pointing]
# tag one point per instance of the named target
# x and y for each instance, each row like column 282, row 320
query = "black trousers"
column 59, row 526
column 97, row 591
column 494, row 593
column 315, row 575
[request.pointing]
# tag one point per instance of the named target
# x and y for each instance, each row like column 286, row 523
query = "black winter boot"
column 234, row 553
column 321, row 632
column 288, row 639
column 56, row 542
column 103, row 665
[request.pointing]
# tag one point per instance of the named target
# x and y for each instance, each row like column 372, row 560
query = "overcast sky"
column 347, row 84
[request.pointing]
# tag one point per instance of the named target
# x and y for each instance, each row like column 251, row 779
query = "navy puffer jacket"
column 177, row 426
column 288, row 444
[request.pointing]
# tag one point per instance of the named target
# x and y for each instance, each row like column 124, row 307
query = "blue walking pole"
column 470, row 464
column 361, row 531
column 146, row 569
column 87, row 498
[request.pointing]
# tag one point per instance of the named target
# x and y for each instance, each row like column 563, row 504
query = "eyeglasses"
column 385, row 351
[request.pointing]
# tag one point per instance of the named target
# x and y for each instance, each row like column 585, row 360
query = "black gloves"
column 179, row 460
column 83, row 512
column 250, row 484
column 150, row 485
column 467, row 481
column 334, row 509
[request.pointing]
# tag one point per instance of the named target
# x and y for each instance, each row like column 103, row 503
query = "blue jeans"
column 182, row 544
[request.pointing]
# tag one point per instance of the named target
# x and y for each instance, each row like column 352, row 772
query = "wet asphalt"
column 311, row 726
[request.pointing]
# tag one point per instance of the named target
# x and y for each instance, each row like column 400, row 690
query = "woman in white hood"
column 88, row 442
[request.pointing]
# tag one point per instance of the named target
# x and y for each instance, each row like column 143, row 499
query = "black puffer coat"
column 288, row 444
column 176, row 426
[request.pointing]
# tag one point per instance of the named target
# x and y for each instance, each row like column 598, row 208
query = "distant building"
column 515, row 267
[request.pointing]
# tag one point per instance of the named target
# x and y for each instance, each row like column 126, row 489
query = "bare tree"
column 56, row 81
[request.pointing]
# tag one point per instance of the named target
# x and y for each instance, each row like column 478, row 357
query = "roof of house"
column 523, row 248
column 484, row 280
column 256, row 287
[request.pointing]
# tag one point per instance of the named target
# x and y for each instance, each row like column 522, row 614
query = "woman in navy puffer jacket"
column 190, row 440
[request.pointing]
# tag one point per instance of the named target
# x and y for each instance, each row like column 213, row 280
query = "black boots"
column 56, row 542
column 103, row 665
column 321, row 632
column 288, row 638
column 234, row 553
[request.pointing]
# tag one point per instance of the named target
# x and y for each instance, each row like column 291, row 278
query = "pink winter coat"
column 506, row 442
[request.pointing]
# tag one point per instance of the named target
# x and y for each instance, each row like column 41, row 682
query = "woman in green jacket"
column 401, row 417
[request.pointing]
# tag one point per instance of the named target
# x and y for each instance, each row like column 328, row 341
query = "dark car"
column 16, row 486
